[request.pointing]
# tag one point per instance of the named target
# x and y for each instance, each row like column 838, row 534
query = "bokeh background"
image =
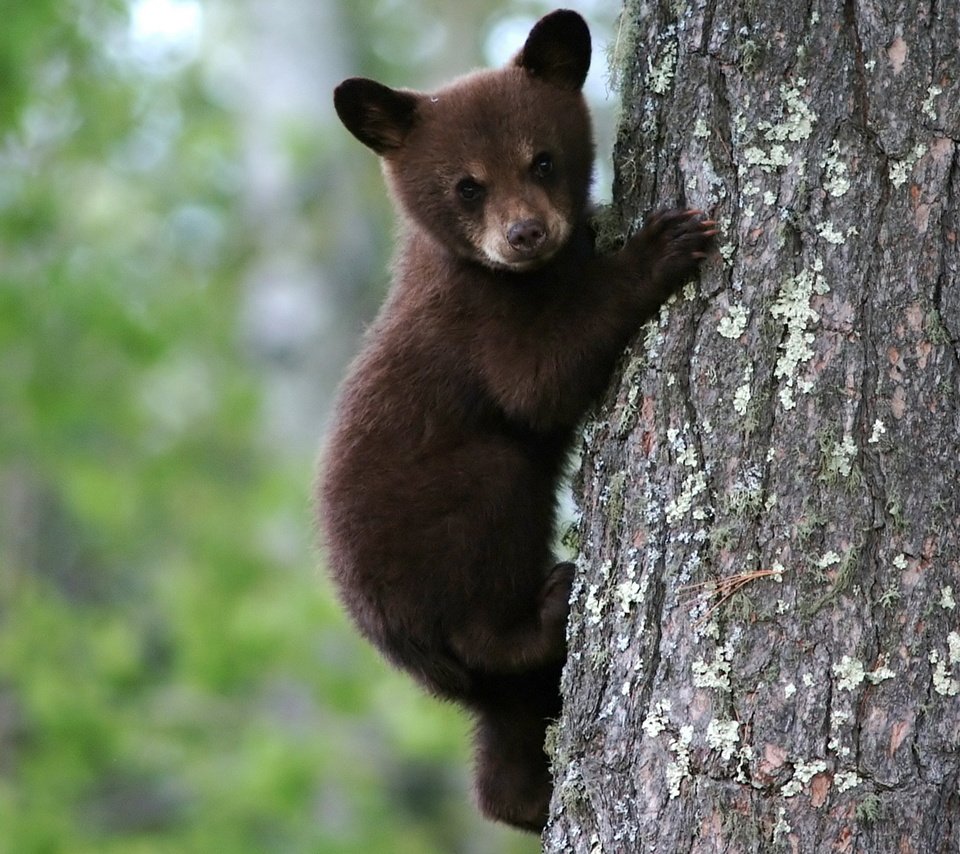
column 190, row 246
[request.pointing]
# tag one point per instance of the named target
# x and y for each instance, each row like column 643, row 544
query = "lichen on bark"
column 797, row 409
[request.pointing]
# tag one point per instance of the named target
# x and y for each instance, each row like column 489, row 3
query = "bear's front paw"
column 673, row 243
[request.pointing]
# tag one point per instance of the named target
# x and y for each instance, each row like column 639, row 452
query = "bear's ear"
column 380, row 117
column 558, row 50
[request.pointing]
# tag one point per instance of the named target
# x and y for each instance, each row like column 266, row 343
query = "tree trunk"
column 765, row 640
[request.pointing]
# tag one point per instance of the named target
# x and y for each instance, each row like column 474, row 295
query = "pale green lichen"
column 927, row 107
column 900, row 169
column 654, row 337
column 745, row 757
column 849, row 672
column 593, row 606
column 878, row 430
column 686, row 452
column 657, row 719
column 723, row 736
column 693, row 485
column 830, row 558
column 782, row 829
column 828, row 231
column 794, row 125
column 733, row 324
column 900, row 561
column 944, row 681
column 629, row 593
column 660, row 76
column 714, row 674
column 700, row 129
column 767, row 159
column 838, row 718
column 678, row 770
column 803, row 773
column 836, row 182
column 792, row 306
column 947, row 602
column 741, row 397
column 797, row 123
column 845, row 780
column 880, row 673
column 838, row 458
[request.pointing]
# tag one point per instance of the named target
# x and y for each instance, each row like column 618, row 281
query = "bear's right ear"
column 380, row 117
column 558, row 50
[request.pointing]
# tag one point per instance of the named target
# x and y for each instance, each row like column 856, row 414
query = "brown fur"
column 452, row 429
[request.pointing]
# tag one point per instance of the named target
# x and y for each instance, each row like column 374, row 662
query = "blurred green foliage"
column 175, row 675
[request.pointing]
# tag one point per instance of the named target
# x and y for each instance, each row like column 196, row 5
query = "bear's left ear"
column 558, row 50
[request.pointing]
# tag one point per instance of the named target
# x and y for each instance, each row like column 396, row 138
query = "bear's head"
column 497, row 165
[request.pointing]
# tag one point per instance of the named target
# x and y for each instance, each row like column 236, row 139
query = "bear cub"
column 451, row 431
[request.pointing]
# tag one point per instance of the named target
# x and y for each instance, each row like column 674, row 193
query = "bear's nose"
column 526, row 236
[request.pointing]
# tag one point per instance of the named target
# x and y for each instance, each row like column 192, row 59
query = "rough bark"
column 787, row 437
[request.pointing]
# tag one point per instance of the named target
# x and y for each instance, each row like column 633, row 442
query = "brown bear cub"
column 451, row 432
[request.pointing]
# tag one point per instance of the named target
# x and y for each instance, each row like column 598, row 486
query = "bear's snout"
column 527, row 236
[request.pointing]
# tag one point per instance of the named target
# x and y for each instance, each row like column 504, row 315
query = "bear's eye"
column 469, row 190
column 542, row 165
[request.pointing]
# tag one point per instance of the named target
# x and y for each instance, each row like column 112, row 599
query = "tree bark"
column 764, row 638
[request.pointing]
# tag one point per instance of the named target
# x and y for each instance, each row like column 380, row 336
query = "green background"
column 190, row 245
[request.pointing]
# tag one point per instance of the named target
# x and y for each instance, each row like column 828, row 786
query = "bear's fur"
column 451, row 432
